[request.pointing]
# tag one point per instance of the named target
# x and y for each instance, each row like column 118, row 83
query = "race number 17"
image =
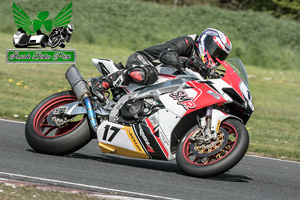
column 108, row 128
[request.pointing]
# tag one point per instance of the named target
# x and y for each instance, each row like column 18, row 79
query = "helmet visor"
column 214, row 50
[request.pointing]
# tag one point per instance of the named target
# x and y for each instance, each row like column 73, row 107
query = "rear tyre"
column 233, row 149
column 45, row 137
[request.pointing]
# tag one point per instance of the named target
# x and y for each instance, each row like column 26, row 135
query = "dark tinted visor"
column 214, row 50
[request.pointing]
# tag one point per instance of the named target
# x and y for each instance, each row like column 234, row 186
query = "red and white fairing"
column 197, row 95
column 152, row 137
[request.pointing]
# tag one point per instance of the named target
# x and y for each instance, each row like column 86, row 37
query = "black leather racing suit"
column 141, row 65
column 168, row 53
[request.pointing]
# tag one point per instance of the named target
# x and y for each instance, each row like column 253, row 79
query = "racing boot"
column 100, row 84
column 142, row 75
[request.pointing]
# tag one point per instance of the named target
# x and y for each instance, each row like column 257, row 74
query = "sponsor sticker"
column 213, row 94
column 183, row 99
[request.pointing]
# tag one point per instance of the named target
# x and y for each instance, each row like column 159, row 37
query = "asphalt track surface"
column 253, row 178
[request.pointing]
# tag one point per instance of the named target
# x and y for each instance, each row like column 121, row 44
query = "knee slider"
column 152, row 75
column 143, row 75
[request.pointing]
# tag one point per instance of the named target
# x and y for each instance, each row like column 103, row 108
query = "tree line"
column 279, row 8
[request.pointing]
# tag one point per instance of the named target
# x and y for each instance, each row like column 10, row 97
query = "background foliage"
column 279, row 8
column 258, row 38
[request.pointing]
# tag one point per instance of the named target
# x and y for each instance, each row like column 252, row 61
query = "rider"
column 196, row 52
column 61, row 32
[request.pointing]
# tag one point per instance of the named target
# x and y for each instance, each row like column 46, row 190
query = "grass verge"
column 23, row 192
column 274, row 126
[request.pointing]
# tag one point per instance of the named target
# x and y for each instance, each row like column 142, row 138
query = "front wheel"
column 44, row 136
column 217, row 157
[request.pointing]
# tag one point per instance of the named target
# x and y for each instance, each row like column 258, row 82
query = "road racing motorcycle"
column 198, row 121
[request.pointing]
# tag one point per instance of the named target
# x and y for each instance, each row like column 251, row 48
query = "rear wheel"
column 44, row 136
column 218, row 156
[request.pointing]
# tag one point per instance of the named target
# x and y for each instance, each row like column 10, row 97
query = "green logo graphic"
column 32, row 33
column 26, row 56
column 32, row 26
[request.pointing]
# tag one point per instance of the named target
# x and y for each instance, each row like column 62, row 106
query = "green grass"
column 22, row 192
column 25, row 85
column 258, row 38
column 274, row 126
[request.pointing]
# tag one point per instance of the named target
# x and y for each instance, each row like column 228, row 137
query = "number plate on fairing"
column 119, row 139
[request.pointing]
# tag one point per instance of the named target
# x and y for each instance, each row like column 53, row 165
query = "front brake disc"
column 206, row 150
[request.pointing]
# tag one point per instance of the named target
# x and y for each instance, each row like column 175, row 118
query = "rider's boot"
column 101, row 84
column 143, row 75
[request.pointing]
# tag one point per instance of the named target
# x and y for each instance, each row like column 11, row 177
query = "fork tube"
column 208, row 119
column 208, row 113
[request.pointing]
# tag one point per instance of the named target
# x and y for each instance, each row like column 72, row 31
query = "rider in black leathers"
column 60, row 35
column 180, row 52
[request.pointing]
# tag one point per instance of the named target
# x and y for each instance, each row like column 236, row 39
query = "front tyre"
column 235, row 140
column 45, row 137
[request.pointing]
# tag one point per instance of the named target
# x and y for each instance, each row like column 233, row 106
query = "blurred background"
column 265, row 35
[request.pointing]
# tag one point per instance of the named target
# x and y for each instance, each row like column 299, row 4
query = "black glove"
column 100, row 84
column 196, row 64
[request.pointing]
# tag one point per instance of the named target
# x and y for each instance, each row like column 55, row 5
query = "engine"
column 134, row 110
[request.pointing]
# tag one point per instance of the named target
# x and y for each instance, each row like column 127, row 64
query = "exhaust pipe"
column 82, row 93
column 77, row 83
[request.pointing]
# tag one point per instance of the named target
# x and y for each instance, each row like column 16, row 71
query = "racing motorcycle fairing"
column 237, row 88
column 232, row 79
column 200, row 121
column 119, row 139
column 149, row 138
column 190, row 97
column 154, row 135
column 105, row 66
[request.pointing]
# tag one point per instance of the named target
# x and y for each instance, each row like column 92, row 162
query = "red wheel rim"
column 41, row 125
column 195, row 160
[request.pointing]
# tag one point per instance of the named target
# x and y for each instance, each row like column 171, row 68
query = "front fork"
column 207, row 130
column 208, row 133
column 210, row 123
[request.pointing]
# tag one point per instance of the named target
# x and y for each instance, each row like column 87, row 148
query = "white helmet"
column 70, row 28
column 213, row 44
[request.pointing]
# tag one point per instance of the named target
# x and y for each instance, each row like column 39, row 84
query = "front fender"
column 217, row 117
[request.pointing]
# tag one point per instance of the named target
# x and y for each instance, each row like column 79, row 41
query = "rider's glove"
column 99, row 85
column 196, row 64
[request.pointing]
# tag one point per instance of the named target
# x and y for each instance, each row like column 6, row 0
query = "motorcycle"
column 198, row 121
column 55, row 41
column 59, row 36
column 22, row 40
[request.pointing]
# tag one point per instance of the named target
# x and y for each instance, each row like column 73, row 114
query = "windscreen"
column 239, row 68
